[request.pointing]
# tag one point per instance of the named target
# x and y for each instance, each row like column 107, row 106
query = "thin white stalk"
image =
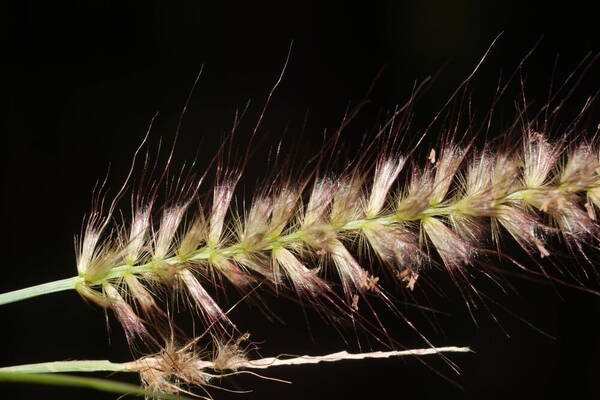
column 268, row 362
column 262, row 363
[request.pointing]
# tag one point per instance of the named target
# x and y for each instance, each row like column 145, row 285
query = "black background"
column 83, row 79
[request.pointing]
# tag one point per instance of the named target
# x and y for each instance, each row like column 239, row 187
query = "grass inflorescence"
column 454, row 212
column 334, row 238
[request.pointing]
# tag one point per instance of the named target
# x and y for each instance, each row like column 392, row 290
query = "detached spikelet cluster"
column 451, row 211
column 177, row 366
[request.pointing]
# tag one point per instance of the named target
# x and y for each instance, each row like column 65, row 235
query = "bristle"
column 579, row 172
column 230, row 270
column 446, row 167
column 396, row 246
column 92, row 295
column 140, row 224
column 169, row 222
column 475, row 198
column 194, row 236
column 222, row 196
column 140, row 294
column 304, row 280
column 539, row 158
column 204, row 302
column 285, row 206
column 523, row 227
column 256, row 225
column 386, row 173
column 347, row 203
column 105, row 260
column 132, row 324
column 353, row 276
column 229, row 355
column 416, row 198
column 453, row 250
column 318, row 202
column 87, row 250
